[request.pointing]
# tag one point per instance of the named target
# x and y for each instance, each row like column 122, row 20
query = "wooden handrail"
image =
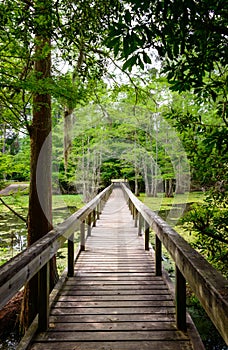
column 210, row 287
column 19, row 270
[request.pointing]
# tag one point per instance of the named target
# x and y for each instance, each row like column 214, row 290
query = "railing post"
column 180, row 293
column 140, row 225
column 136, row 216
column 102, row 203
column 98, row 211
column 82, row 235
column 158, row 256
column 43, row 297
column 94, row 218
column 89, row 225
column 130, row 206
column 70, row 272
column 147, row 235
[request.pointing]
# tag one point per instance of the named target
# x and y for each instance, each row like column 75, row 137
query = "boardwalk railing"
column 210, row 287
column 35, row 260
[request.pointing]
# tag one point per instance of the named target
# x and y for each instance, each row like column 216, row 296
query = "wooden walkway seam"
column 114, row 301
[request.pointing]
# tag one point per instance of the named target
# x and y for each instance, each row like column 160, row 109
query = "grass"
column 163, row 203
column 20, row 201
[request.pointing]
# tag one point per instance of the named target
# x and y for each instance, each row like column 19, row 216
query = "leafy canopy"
column 190, row 36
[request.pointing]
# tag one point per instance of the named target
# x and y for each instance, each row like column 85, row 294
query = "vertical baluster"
column 130, row 206
column 94, row 218
column 147, row 235
column 70, row 271
column 82, row 234
column 89, row 224
column 43, row 297
column 98, row 211
column 140, row 225
column 180, row 291
column 135, row 216
column 158, row 256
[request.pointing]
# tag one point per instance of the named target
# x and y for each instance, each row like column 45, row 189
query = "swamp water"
column 13, row 232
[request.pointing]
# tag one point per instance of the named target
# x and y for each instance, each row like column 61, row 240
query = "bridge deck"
column 114, row 301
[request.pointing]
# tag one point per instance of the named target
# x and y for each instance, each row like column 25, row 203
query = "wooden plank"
column 115, row 298
column 109, row 318
column 111, row 303
column 129, row 293
column 116, row 287
column 113, row 278
column 117, row 283
column 111, row 336
column 112, row 326
column 113, row 311
column 116, row 345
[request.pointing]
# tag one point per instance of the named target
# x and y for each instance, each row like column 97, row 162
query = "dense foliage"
column 136, row 89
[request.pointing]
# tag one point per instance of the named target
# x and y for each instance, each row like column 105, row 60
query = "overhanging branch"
column 13, row 211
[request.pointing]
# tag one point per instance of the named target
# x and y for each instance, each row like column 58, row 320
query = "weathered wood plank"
column 114, row 278
column 111, row 336
column 128, row 293
column 112, row 326
column 116, row 345
column 114, row 311
column 117, row 283
column 113, row 318
column 111, row 303
column 115, row 298
column 116, row 288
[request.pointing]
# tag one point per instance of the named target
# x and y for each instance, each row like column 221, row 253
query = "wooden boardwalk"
column 114, row 301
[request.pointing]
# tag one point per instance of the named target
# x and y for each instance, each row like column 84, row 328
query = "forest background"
column 130, row 89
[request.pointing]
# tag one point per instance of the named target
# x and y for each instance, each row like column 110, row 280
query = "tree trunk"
column 68, row 128
column 40, row 196
column 168, row 188
column 179, row 179
column 136, row 182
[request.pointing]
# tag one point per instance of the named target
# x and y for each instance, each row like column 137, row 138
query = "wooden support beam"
column 82, row 235
column 140, row 224
column 180, row 294
column 136, row 216
column 158, row 256
column 98, row 211
column 147, row 236
column 94, row 218
column 43, row 298
column 70, row 272
column 89, row 224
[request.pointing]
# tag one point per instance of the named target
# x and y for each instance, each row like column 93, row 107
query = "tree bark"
column 40, row 196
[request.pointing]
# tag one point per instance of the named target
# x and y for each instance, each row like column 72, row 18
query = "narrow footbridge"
column 115, row 294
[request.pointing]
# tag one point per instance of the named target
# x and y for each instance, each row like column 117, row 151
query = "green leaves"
column 191, row 37
column 128, row 64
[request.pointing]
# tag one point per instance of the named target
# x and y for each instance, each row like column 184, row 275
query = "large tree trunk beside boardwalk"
column 40, row 197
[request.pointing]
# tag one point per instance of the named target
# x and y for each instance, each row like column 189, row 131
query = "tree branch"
column 13, row 211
